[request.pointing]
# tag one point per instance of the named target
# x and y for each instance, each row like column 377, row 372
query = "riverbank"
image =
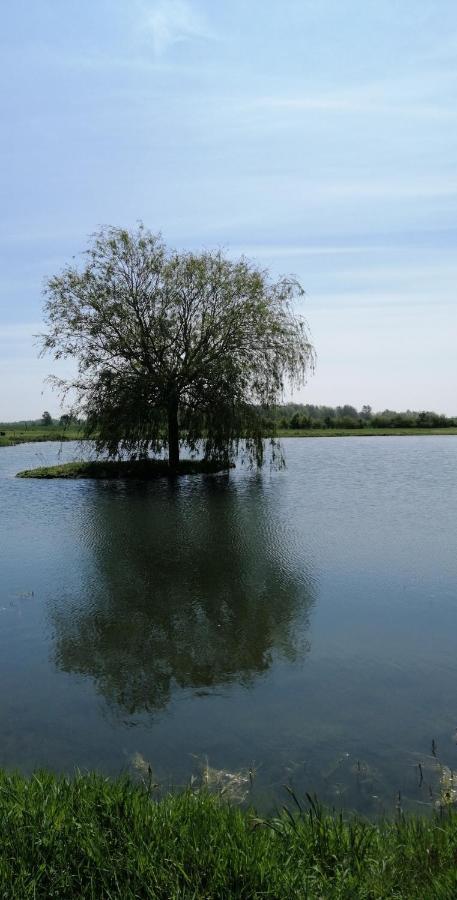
column 362, row 432
column 91, row 837
column 144, row 469
column 11, row 435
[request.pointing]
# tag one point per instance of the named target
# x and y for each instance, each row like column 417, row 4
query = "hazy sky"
column 318, row 136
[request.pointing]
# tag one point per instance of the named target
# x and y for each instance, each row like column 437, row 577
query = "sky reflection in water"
column 302, row 622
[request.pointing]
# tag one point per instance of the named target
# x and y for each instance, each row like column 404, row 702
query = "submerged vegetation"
column 136, row 468
column 92, row 837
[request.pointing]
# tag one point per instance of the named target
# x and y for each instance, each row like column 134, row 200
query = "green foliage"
column 174, row 348
column 91, row 837
column 46, row 419
column 67, row 420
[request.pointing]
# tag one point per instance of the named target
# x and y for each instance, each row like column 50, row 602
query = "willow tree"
column 174, row 349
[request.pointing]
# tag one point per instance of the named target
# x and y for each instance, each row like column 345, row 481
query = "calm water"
column 302, row 622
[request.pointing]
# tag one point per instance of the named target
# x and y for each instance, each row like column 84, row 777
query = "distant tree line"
column 64, row 421
column 295, row 416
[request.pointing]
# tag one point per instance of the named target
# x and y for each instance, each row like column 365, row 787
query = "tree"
column 174, row 348
column 68, row 419
column 46, row 418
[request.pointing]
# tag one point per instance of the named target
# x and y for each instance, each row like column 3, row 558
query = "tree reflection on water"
column 193, row 584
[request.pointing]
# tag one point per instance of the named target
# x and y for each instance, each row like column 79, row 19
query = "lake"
column 300, row 623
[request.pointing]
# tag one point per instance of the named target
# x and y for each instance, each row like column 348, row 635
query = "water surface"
column 302, row 623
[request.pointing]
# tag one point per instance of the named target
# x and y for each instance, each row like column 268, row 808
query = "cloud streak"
column 430, row 94
column 170, row 22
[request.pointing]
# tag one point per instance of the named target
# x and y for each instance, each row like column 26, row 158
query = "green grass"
column 17, row 434
column 144, row 469
column 90, row 837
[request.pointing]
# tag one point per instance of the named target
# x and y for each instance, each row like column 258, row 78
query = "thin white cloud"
column 387, row 299
column 290, row 250
column 430, row 95
column 352, row 104
column 173, row 21
column 421, row 187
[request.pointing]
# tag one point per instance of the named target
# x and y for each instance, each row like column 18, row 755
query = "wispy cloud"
column 272, row 251
column 430, row 94
column 388, row 299
column 170, row 22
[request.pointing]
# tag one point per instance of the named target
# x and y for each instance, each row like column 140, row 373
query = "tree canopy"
column 174, row 348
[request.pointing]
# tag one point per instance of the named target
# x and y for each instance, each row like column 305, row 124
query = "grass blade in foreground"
column 91, row 837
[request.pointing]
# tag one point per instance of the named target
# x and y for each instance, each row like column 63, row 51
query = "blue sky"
column 317, row 136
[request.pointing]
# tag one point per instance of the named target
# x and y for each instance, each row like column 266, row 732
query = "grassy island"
column 91, row 837
column 144, row 469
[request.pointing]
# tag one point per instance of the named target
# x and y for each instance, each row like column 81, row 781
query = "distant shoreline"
column 361, row 432
column 13, row 437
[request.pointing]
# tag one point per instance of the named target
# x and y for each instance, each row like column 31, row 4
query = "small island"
column 144, row 469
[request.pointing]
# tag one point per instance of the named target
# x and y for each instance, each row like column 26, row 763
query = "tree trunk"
column 173, row 433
